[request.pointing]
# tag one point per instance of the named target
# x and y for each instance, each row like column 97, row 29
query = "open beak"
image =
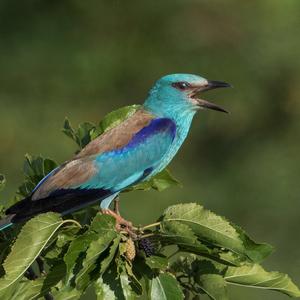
column 211, row 84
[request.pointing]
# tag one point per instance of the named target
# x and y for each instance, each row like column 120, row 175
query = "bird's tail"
column 6, row 222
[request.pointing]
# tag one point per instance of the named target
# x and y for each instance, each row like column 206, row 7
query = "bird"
column 132, row 152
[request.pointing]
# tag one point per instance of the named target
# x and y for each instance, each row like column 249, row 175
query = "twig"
column 147, row 235
column 150, row 225
column 40, row 264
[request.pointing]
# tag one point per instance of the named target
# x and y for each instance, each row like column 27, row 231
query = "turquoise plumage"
column 134, row 151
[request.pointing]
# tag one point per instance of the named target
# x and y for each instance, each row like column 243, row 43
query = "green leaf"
column 81, row 136
column 164, row 180
column 83, row 133
column 256, row 252
column 76, row 248
column 116, row 117
column 104, row 225
column 35, row 169
column 214, row 286
column 68, row 130
column 134, row 282
column 67, row 293
column 127, row 290
column 22, row 290
column 111, row 278
column 103, row 290
column 2, row 182
column 30, row 242
column 208, row 275
column 112, row 251
column 55, row 274
column 66, row 235
column 181, row 235
column 157, row 262
column 215, row 230
column 253, row 275
column 159, row 182
column 34, row 289
column 165, row 287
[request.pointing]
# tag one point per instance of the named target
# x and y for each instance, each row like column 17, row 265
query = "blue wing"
column 135, row 161
column 97, row 177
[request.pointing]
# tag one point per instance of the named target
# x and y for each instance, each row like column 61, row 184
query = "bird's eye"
column 181, row 85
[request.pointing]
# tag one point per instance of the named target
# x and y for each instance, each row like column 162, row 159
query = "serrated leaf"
column 2, row 182
column 81, row 243
column 135, row 284
column 165, row 287
column 214, row 229
column 77, row 246
column 253, row 275
column 127, row 290
column 30, row 242
column 112, row 251
column 104, row 225
column 103, row 290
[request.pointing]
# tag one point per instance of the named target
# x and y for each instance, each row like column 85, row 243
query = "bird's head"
column 177, row 94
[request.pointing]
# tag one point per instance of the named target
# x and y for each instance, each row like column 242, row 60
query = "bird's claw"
column 122, row 225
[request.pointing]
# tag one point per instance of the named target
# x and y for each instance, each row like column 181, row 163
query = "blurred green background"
column 82, row 59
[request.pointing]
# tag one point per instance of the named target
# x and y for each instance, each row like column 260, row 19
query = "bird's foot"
column 121, row 223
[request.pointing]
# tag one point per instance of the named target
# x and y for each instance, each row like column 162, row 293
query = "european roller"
column 132, row 152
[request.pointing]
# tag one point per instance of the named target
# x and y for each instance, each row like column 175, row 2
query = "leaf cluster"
column 187, row 252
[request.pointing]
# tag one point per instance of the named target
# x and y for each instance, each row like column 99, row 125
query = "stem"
column 72, row 221
column 147, row 235
column 40, row 263
column 150, row 225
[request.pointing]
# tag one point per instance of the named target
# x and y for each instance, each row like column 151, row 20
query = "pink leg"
column 121, row 224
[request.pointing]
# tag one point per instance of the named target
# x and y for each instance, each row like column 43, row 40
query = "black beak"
column 212, row 84
column 209, row 105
